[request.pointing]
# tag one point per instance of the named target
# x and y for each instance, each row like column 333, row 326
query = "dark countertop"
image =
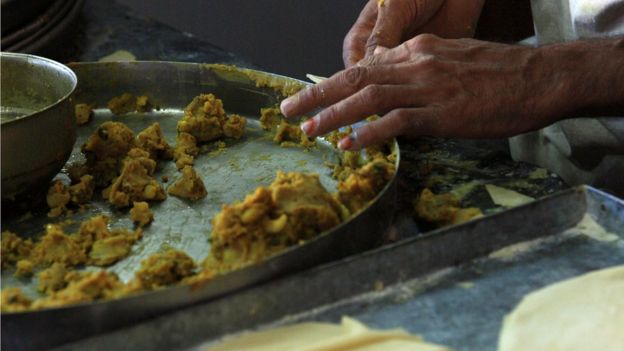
column 104, row 27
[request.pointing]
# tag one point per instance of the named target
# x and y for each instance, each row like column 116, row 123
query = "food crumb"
column 166, row 268
column 141, row 214
column 466, row 285
column 83, row 113
column 52, row 278
column 378, row 286
column 126, row 103
column 24, row 268
column 189, row 185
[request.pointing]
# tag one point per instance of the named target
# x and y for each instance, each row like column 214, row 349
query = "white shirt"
column 580, row 150
column 566, row 20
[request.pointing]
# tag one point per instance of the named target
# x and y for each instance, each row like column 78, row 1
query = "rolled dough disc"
column 351, row 335
column 584, row 313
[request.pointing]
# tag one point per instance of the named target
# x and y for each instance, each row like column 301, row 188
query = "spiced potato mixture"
column 120, row 168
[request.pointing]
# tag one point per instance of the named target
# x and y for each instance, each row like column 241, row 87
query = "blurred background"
column 289, row 37
column 282, row 36
column 295, row 37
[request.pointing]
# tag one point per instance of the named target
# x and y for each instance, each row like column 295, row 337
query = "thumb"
column 395, row 18
column 389, row 26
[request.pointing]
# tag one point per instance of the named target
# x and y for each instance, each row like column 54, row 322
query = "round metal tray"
column 228, row 176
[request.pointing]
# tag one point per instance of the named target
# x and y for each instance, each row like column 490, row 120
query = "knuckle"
column 429, row 65
column 427, row 38
column 422, row 43
column 315, row 92
column 403, row 118
column 372, row 95
column 428, row 61
column 369, row 61
column 330, row 114
column 355, row 77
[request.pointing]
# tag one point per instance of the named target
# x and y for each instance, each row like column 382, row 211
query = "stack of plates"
column 28, row 26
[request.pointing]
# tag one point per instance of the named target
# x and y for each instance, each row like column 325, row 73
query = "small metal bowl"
column 38, row 127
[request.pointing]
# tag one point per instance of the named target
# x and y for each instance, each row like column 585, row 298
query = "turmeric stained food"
column 205, row 119
column 443, row 209
column 126, row 103
column 141, row 214
column 292, row 209
column 136, row 181
column 188, row 186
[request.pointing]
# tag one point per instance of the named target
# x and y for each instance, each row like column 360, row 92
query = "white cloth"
column 581, row 150
column 567, row 20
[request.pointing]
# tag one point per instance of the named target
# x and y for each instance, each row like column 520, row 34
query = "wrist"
column 589, row 77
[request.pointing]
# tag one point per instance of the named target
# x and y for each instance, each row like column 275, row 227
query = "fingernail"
column 286, row 105
column 345, row 143
column 309, row 126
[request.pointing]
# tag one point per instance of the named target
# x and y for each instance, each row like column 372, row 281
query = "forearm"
column 593, row 75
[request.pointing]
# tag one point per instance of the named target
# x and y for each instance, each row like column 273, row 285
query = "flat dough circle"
column 584, row 313
column 350, row 335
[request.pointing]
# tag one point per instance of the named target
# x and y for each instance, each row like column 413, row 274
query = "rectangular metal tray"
column 452, row 286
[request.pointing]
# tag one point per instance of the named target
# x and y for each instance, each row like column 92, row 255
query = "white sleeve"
column 597, row 18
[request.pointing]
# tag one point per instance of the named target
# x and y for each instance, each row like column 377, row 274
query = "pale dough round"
column 350, row 335
column 584, row 313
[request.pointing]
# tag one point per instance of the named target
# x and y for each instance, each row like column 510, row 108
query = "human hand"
column 461, row 88
column 386, row 24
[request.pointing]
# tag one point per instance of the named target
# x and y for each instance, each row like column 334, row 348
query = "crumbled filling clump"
column 443, row 209
column 60, row 196
column 166, row 268
column 153, row 141
column 14, row 300
column 93, row 244
column 188, row 186
column 126, row 103
column 363, row 184
column 286, row 133
column 24, row 268
column 291, row 135
column 13, row 249
column 56, row 246
column 270, row 117
column 105, row 150
column 294, row 208
column 81, row 287
column 185, row 150
column 52, row 278
column 234, row 126
column 141, row 214
column 136, row 181
column 83, row 113
column 205, row 119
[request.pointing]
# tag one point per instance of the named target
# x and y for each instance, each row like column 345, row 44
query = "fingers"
column 354, row 44
column 373, row 99
column 394, row 20
column 410, row 121
column 419, row 48
column 341, row 85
